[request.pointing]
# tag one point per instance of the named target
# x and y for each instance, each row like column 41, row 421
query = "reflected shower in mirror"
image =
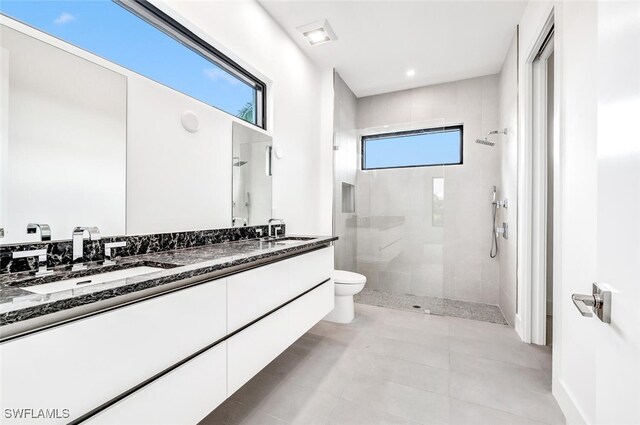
column 252, row 170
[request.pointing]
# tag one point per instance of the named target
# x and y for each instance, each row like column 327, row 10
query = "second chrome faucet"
column 78, row 237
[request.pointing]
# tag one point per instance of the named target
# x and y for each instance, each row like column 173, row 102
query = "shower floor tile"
column 432, row 305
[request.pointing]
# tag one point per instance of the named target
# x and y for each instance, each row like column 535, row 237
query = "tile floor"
column 432, row 305
column 396, row 367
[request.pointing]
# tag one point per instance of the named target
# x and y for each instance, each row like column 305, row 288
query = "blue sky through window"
column 112, row 32
column 435, row 148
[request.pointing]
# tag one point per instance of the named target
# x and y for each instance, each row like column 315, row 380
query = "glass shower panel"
column 401, row 222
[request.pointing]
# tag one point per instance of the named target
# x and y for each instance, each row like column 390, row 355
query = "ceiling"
column 379, row 41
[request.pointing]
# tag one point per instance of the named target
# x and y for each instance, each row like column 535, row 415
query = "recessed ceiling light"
column 411, row 72
column 318, row 32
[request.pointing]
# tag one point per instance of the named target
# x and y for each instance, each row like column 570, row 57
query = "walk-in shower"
column 419, row 233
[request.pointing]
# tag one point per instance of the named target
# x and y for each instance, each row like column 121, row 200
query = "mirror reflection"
column 252, row 170
column 62, row 142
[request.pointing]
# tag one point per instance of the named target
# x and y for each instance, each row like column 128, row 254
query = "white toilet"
column 346, row 284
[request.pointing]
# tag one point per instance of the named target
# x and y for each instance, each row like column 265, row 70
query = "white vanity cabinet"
column 86, row 362
column 237, row 325
column 183, row 396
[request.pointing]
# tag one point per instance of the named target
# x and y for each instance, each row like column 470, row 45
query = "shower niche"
column 251, row 167
column 348, row 198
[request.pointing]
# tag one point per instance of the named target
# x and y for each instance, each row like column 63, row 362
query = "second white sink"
column 87, row 281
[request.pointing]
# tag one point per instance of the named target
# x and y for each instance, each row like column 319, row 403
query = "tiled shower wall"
column 345, row 152
column 394, row 207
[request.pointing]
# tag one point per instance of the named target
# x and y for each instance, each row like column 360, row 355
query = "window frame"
column 442, row 129
column 165, row 23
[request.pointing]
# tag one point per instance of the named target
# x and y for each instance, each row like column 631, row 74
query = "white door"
column 617, row 345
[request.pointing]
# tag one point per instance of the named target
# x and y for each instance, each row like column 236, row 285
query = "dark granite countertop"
column 17, row 304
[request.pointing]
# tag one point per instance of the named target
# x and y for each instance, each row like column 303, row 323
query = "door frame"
column 532, row 202
column 540, row 199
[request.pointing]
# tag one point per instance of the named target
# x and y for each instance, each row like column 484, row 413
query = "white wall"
column 452, row 261
column 508, row 146
column 246, row 32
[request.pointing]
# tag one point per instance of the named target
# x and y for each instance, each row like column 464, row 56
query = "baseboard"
column 518, row 327
column 571, row 412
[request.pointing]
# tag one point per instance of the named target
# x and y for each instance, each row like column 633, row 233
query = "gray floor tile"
column 233, row 413
column 403, row 372
column 474, row 329
column 521, row 402
column 398, row 367
column 462, row 413
column 506, row 375
column 329, row 375
column 411, row 403
column 509, row 352
column 417, row 353
column 351, row 413
column 414, row 336
column 257, row 389
column 296, row 404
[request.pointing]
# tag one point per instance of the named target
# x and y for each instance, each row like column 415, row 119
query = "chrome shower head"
column 237, row 162
column 485, row 141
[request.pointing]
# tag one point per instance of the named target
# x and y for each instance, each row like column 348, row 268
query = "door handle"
column 598, row 302
column 583, row 303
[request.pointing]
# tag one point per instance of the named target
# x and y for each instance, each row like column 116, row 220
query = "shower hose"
column 494, row 237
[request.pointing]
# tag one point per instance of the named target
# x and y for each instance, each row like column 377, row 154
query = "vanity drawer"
column 308, row 270
column 249, row 351
column 255, row 292
column 183, row 396
column 309, row 309
column 84, row 363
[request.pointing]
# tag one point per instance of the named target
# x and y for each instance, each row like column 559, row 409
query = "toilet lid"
column 348, row 278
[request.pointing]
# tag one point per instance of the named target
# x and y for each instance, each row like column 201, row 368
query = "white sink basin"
column 291, row 240
column 88, row 281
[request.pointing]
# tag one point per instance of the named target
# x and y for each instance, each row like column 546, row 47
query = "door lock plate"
column 603, row 307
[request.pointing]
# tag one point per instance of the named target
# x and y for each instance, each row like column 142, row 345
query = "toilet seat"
column 344, row 277
column 346, row 285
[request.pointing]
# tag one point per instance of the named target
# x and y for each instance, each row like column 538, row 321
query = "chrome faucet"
column 78, row 244
column 276, row 228
column 45, row 230
column 108, row 254
column 42, row 259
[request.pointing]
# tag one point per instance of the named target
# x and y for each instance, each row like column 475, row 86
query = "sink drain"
column 417, row 306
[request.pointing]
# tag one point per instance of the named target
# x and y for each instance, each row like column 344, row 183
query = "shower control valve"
column 504, row 230
column 502, row 204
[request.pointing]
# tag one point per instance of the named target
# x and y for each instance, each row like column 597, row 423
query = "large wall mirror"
column 86, row 142
column 62, row 141
column 252, row 171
